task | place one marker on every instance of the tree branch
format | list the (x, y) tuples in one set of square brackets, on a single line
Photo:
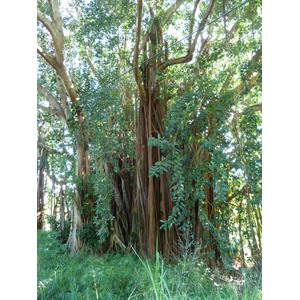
[(254, 58), (46, 109), (92, 66), (192, 22), (202, 24), (53, 179), (62, 93), (56, 31), (255, 107), (52, 101), (40, 144), (252, 82), (48, 58), (56, 14), (170, 11), (224, 20), (57, 61), (48, 149), (46, 22), (190, 52), (49, 97), (150, 9), (167, 16)]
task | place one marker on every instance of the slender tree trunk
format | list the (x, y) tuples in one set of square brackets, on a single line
[(241, 236), (259, 227), (62, 213), (52, 196), (40, 188)]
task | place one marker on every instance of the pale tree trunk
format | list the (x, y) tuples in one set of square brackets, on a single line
[(75, 242), (55, 27), (82, 171)]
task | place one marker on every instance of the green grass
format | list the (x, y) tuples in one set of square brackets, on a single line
[(116, 276)]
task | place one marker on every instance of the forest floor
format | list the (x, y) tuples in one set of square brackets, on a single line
[(117, 276)]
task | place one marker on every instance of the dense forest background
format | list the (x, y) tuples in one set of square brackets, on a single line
[(166, 157)]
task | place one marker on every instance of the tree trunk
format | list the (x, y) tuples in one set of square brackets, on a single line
[(209, 199), (40, 188), (241, 236), (81, 198), (62, 213), (210, 211), (253, 245), (152, 201), (259, 226)]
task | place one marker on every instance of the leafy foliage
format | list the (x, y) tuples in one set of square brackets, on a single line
[(210, 146)]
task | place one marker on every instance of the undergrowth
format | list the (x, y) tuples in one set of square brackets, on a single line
[(117, 276)]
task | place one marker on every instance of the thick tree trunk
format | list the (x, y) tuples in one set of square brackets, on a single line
[(151, 198), (152, 201)]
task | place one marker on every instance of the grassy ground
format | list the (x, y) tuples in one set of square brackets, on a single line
[(117, 276)]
